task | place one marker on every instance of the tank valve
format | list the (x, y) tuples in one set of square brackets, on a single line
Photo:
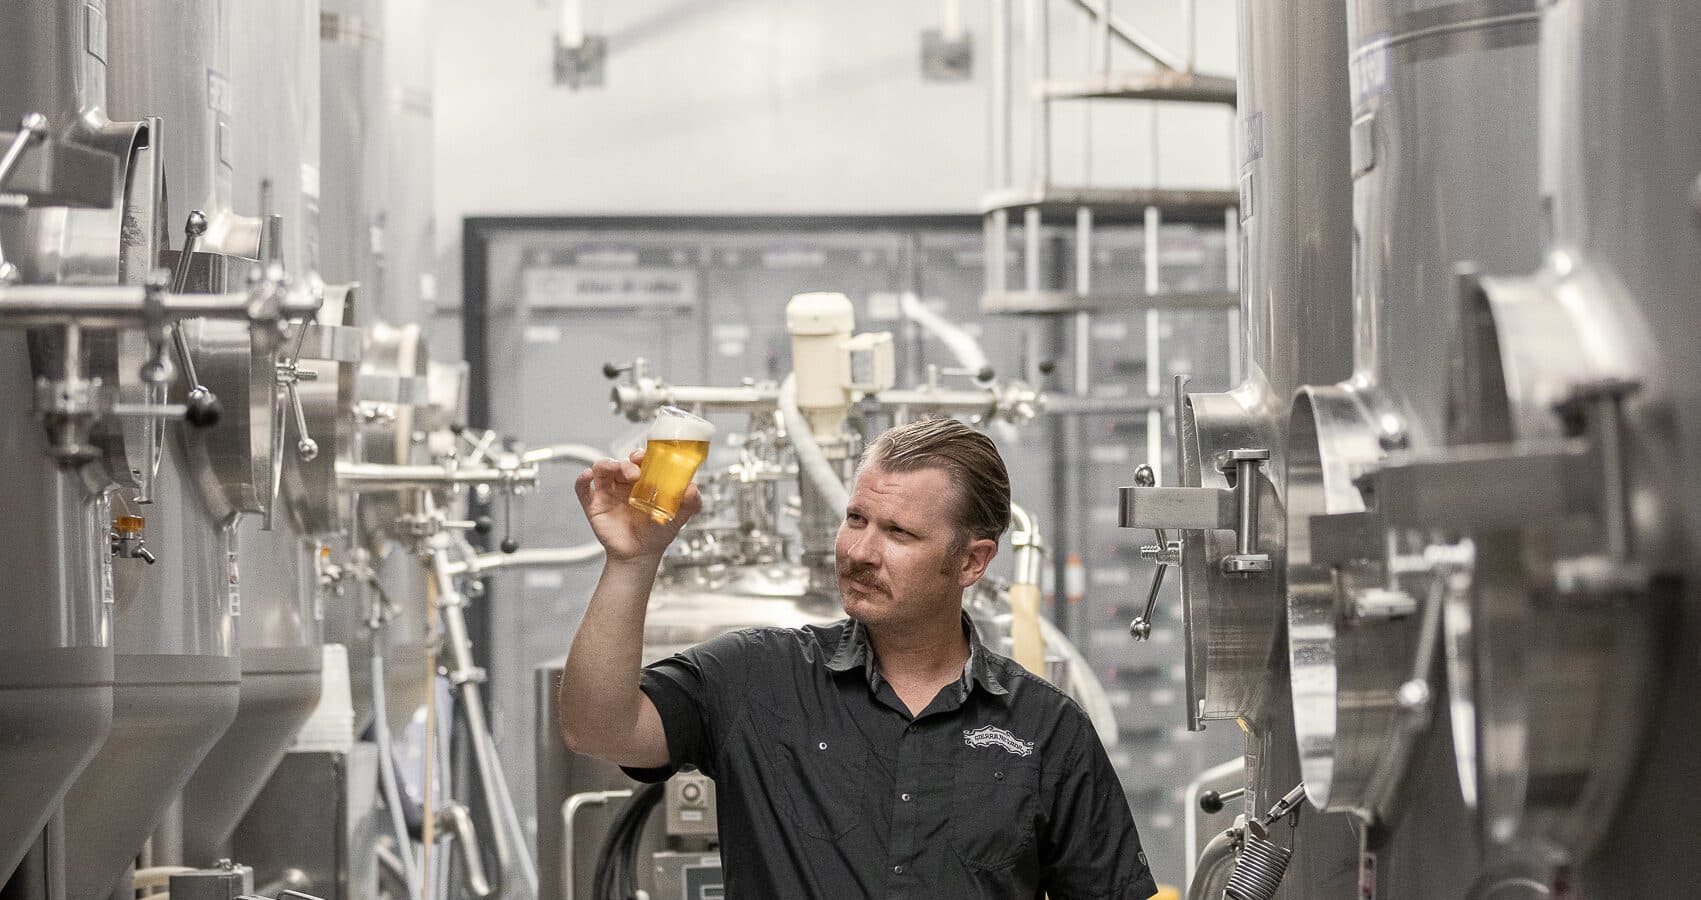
[(127, 541)]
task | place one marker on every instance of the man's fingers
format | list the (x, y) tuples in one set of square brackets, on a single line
[(630, 471), (583, 486), (692, 503)]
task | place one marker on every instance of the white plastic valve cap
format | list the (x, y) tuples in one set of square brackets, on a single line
[(823, 312)]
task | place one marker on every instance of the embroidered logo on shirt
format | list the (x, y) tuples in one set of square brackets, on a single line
[(993, 736)]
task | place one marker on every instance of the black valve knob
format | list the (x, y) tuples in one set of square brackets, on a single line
[(457, 428), (985, 374), (202, 408), (1211, 802), (610, 371), (1046, 367), (509, 545), (484, 525)]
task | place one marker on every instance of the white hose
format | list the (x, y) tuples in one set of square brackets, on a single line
[(809, 456), (387, 770), (963, 346)]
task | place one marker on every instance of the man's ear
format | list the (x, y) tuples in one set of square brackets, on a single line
[(976, 556)]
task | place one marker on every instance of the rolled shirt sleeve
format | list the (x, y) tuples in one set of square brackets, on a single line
[(1090, 849), (698, 693)]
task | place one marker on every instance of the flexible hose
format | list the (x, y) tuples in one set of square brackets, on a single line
[(810, 459), (387, 770), (511, 819)]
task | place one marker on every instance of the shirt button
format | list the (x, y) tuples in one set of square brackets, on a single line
[(904, 797), (897, 870)]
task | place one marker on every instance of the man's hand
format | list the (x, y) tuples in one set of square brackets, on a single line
[(626, 533)]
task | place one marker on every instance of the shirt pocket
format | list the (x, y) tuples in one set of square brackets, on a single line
[(819, 779), (993, 808)]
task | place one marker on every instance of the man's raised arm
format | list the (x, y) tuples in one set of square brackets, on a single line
[(602, 711)]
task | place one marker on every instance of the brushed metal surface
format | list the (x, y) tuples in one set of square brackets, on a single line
[(168, 710), (1423, 201)]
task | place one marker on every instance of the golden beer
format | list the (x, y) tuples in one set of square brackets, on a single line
[(678, 444)]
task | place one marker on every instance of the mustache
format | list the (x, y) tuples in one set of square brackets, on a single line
[(862, 575)]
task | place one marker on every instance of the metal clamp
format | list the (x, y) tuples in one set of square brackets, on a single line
[(1236, 509), (1244, 466)]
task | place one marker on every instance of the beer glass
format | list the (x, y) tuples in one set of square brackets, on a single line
[(678, 444)]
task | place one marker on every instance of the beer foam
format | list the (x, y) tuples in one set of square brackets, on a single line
[(680, 426)]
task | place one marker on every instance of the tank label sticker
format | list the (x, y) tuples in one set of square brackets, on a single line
[(1251, 137), (218, 93), (993, 736), (233, 581), (1368, 70), (94, 32), (107, 597)]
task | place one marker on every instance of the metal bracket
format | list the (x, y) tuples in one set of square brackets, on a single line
[(947, 59), (582, 65)]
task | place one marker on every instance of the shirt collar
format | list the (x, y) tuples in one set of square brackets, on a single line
[(982, 667)]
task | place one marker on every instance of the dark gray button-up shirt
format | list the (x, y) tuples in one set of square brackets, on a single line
[(828, 788)]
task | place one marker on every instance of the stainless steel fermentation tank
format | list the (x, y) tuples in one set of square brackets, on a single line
[(1227, 516), (1371, 733), (396, 361), (1571, 638), (274, 105), (56, 662), (177, 672), (56, 650)]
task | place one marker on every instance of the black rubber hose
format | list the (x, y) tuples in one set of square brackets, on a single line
[(617, 859)]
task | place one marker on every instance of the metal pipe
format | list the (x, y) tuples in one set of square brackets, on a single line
[(365, 478), (951, 21), (570, 812), (1131, 36), (526, 559), (457, 821), (1215, 861), (465, 676), (1036, 37), (111, 306), (583, 453)]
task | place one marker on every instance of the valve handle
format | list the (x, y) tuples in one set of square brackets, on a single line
[(1211, 802)]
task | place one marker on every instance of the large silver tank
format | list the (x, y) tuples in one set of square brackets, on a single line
[(1627, 189), (55, 649), (176, 680), (1424, 199), (1296, 290), (1577, 692), (352, 158), (275, 106), (176, 670), (409, 252)]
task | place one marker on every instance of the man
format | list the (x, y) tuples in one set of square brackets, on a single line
[(888, 755)]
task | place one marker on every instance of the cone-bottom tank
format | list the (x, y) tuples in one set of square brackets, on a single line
[(280, 687), (176, 682), (55, 656)]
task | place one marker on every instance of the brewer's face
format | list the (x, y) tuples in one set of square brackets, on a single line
[(895, 559)]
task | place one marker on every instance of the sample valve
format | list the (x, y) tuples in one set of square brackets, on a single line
[(126, 539)]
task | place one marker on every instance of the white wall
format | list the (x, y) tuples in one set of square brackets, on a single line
[(724, 106)]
